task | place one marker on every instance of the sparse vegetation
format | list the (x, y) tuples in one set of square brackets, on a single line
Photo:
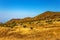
[(24, 26), (30, 22), (58, 20), (31, 27), (37, 22), (42, 27), (49, 21)]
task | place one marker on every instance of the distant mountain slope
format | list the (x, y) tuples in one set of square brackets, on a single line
[(19, 20), (44, 16)]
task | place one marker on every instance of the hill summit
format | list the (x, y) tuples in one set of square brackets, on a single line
[(48, 15)]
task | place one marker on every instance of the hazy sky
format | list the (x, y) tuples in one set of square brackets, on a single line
[(26, 8)]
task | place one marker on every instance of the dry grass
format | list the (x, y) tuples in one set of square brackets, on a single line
[(37, 32), (19, 33)]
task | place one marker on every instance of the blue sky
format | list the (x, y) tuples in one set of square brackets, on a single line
[(26, 8)]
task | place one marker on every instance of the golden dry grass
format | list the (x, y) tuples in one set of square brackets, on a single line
[(45, 26), (20, 33)]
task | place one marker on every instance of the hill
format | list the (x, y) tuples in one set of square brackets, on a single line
[(43, 16), (48, 15), (45, 26)]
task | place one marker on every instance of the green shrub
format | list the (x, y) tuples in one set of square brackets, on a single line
[(24, 26), (31, 27), (49, 21), (10, 25), (37, 22), (29, 22), (58, 20)]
